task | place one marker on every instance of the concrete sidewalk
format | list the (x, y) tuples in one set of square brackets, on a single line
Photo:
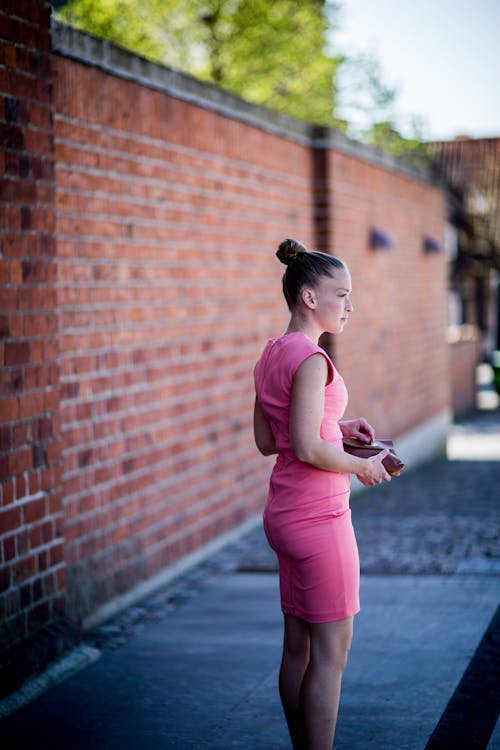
[(195, 665)]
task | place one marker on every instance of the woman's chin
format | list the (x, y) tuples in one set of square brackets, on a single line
[(339, 327)]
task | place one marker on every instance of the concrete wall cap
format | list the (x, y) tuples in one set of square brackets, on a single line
[(100, 53)]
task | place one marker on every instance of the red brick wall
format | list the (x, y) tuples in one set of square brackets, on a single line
[(31, 545), (167, 214), (392, 353), (145, 305)]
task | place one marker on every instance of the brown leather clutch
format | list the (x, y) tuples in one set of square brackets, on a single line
[(392, 463)]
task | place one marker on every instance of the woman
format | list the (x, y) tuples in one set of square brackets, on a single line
[(300, 399)]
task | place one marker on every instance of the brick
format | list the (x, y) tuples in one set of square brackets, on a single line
[(21, 460), (22, 487), (8, 492), (36, 324), (9, 548), (23, 432), (9, 409), (48, 532), (5, 26), (31, 405), (35, 540), (4, 467), (11, 381), (4, 272), (56, 555), (56, 492), (14, 246), (17, 353), (36, 480), (42, 560), (46, 479), (34, 510), (40, 117), (11, 136), (24, 569), (51, 400), (16, 326), (35, 12), (6, 438), (10, 55), (41, 428), (15, 272)]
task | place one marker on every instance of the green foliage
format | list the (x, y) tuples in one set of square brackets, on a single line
[(270, 52), (125, 22), (413, 150)]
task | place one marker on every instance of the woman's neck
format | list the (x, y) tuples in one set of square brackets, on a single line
[(307, 327)]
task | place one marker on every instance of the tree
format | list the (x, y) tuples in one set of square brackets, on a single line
[(270, 52), (277, 53), (414, 151)]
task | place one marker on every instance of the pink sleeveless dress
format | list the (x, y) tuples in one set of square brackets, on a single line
[(307, 519)]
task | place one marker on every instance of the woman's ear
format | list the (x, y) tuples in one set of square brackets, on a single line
[(308, 298)]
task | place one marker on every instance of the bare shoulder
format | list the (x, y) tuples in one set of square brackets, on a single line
[(312, 371)]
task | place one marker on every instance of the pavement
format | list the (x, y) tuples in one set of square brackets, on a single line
[(195, 665)]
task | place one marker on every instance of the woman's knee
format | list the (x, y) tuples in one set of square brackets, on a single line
[(340, 657), (331, 642)]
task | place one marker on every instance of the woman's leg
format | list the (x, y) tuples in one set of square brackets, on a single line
[(320, 692), (293, 666)]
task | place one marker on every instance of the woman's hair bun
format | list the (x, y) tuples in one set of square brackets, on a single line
[(288, 250)]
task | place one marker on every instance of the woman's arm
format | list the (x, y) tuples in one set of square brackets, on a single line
[(306, 415), (264, 437)]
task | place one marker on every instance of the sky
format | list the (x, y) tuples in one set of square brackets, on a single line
[(442, 56)]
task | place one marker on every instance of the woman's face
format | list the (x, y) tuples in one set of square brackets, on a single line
[(333, 301)]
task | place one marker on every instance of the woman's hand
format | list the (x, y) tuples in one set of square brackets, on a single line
[(373, 471), (358, 428)]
